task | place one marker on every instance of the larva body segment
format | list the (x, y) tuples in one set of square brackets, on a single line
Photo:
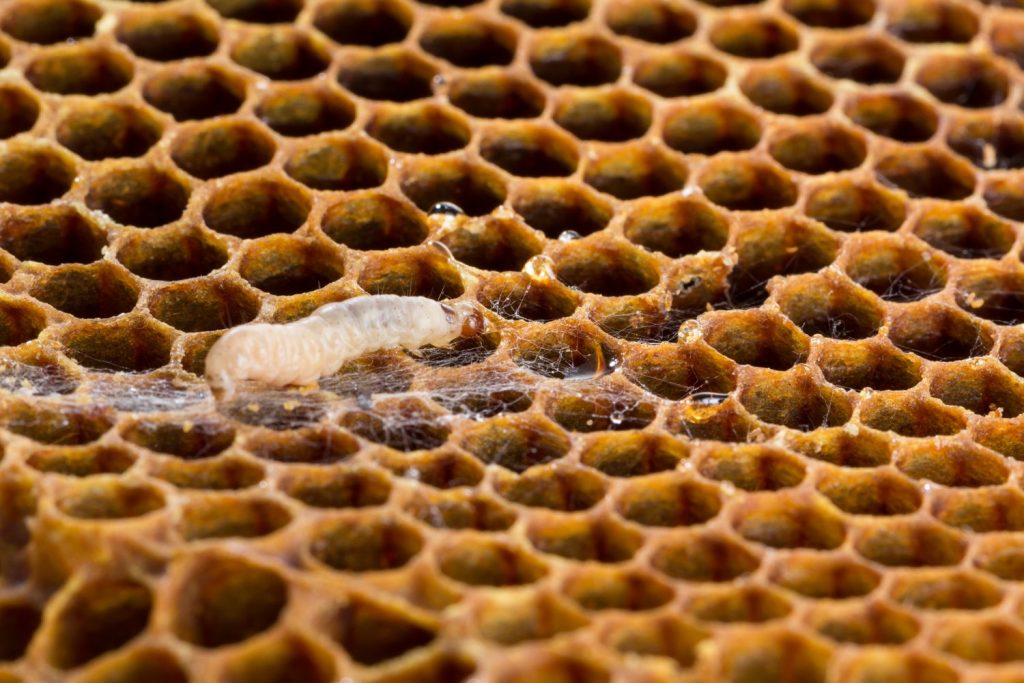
[(303, 351)]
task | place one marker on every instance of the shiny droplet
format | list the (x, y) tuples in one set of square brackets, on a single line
[(446, 209)]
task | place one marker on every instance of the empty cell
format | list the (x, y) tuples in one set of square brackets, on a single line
[(97, 616)]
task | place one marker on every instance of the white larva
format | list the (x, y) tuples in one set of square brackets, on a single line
[(303, 351)]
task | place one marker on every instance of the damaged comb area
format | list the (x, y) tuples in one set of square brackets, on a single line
[(741, 396)]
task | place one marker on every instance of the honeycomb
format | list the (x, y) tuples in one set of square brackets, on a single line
[(749, 407)]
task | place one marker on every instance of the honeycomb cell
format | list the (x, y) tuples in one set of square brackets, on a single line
[(745, 604), (605, 268), (951, 464), (1001, 556), (138, 194), (864, 59), (755, 338), (716, 416), (372, 632), (284, 265), (894, 115), (419, 128), (258, 11), (50, 21), (794, 399), (174, 253), (988, 640), (670, 500), (673, 637), (711, 126), (830, 14), (226, 515), (882, 665), (519, 619), (932, 21), (516, 443), (635, 171), (989, 144), (824, 576), (224, 599), (982, 389), (843, 446), (941, 589), (868, 365), (1001, 435), (675, 371), (939, 332), (1003, 196), (473, 187), (677, 226), (774, 654), (979, 511), (256, 207), (910, 415), (556, 667), (101, 290), (964, 231), (282, 54), (927, 173), (493, 244), (554, 206), (529, 150), (195, 91), (81, 69), (864, 624), (574, 57), (991, 294), (633, 454), (81, 461), (337, 487), (102, 131), (280, 660), (167, 35), (34, 173), (387, 74), (602, 588), (970, 81), (458, 510), (404, 425), (358, 22), (744, 183), (419, 271), (99, 615), (894, 269), (753, 35), (365, 543), (19, 110), (52, 235), (204, 306), (217, 149), (910, 543), (816, 147), (338, 164), (489, 562), (443, 469), (312, 445), (217, 474), (544, 13), (127, 343), (752, 467), (679, 73), (579, 538), (492, 93), (606, 115), (468, 41), (653, 21), (107, 498), (1007, 40), (830, 306), (373, 221), (191, 439), (855, 206), (784, 89), (48, 424), (781, 520), (564, 488), (298, 110)]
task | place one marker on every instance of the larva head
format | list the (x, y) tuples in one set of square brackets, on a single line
[(465, 318)]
